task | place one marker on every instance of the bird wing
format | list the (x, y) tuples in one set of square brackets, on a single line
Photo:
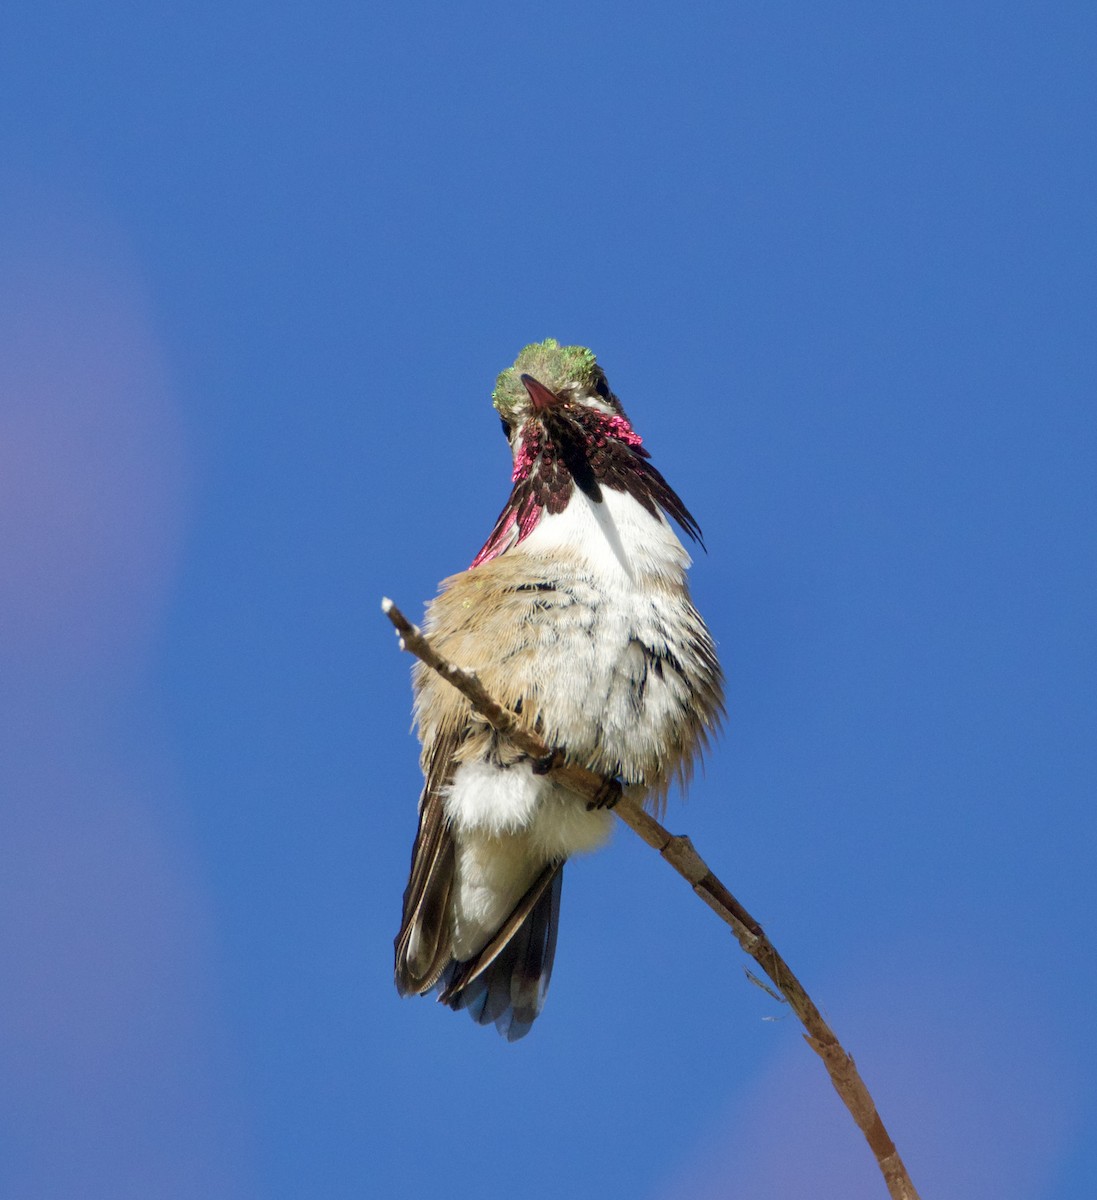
[(423, 944)]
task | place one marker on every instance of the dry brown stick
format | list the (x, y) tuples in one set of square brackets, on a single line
[(679, 852)]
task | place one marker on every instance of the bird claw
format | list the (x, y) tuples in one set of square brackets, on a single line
[(609, 792), (542, 766)]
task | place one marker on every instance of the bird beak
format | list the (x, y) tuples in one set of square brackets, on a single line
[(540, 397)]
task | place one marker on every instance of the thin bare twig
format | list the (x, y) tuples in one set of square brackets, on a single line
[(680, 854)]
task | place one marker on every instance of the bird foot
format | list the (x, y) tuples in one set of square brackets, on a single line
[(542, 766), (609, 792)]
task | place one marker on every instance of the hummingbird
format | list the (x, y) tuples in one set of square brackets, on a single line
[(575, 614)]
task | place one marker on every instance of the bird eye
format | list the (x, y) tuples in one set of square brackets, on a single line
[(506, 427), (602, 388)]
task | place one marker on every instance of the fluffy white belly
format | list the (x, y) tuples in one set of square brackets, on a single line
[(495, 801), (508, 823)]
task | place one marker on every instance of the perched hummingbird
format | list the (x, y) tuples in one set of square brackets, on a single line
[(575, 614)]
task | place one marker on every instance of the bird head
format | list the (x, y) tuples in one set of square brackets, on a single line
[(556, 398), (568, 431)]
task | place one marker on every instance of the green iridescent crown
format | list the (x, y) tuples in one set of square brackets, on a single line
[(549, 363)]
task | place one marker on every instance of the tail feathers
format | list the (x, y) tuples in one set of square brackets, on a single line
[(506, 983)]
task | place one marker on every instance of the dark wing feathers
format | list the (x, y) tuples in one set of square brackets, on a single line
[(423, 943)]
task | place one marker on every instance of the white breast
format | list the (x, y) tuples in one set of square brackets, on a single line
[(622, 541), (599, 697)]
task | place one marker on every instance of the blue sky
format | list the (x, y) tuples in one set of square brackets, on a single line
[(260, 268)]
